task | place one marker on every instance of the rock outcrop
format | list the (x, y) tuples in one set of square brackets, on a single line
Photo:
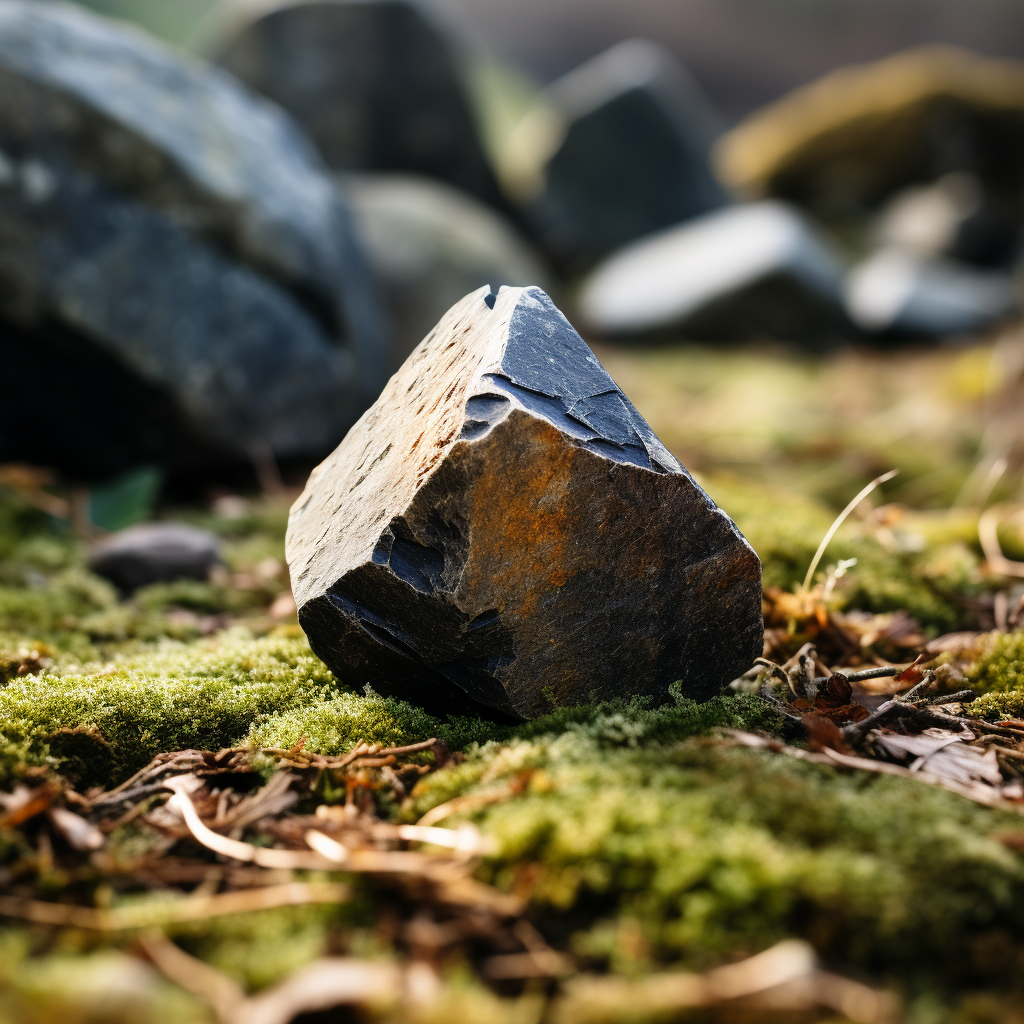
[(502, 532), (376, 86), (175, 263)]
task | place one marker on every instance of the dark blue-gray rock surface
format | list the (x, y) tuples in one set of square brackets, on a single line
[(155, 553), (175, 242), (632, 157), (375, 84), (503, 532)]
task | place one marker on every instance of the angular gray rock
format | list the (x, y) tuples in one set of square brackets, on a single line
[(375, 84), (630, 154), (154, 553), (180, 239), (429, 245), (745, 272), (502, 532), (899, 292)]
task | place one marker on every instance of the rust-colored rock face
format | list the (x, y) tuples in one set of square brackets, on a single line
[(502, 532)]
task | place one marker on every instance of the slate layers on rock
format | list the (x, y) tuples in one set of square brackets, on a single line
[(373, 82), (163, 224), (502, 532)]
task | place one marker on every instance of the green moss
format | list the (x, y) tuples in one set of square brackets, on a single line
[(688, 852), (206, 696), (56, 603), (73, 986), (1001, 668), (336, 725), (999, 705), (259, 948), (930, 567)]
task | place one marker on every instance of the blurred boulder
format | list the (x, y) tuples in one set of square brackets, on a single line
[(178, 275), (503, 532), (949, 217), (373, 82), (899, 292), (745, 272), (429, 245), (843, 144), (155, 553), (620, 148)]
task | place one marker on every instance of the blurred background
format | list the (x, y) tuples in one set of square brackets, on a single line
[(744, 53), (790, 229)]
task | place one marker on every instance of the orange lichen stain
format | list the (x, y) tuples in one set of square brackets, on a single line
[(522, 522)]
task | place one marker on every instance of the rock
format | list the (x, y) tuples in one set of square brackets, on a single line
[(623, 144), (170, 243), (502, 532), (429, 245), (375, 85), (155, 553), (744, 272), (896, 291), (845, 143), (949, 217)]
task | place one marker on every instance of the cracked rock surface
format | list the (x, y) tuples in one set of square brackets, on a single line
[(502, 533)]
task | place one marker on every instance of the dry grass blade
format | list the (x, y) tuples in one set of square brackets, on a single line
[(192, 908), (78, 833), (324, 985), (466, 839), (840, 519), (531, 964), (224, 996), (988, 535), (784, 977), (295, 860), (24, 803), (988, 796), (382, 862), (462, 805)]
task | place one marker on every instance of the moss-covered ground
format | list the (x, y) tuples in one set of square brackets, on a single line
[(640, 840)]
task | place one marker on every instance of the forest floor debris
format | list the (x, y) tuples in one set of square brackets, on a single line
[(857, 799)]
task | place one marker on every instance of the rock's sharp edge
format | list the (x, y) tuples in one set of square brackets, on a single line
[(523, 564)]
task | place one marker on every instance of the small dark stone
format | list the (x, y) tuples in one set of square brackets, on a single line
[(742, 273), (375, 84), (503, 532), (155, 553), (633, 155), (180, 236)]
